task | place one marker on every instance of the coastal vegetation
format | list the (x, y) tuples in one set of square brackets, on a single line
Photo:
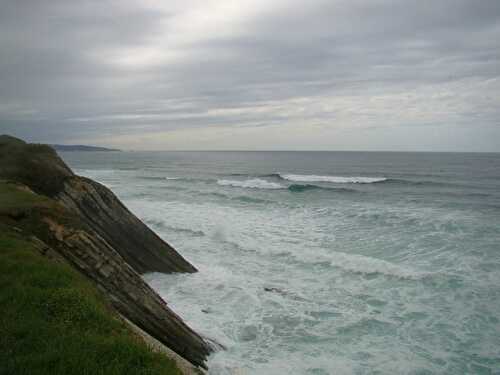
[(54, 321), (72, 298)]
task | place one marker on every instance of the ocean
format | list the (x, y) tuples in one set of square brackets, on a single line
[(325, 262)]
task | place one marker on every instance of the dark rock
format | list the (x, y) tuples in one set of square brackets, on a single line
[(132, 239), (275, 290)]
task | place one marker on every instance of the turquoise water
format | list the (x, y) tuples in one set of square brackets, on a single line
[(326, 262)]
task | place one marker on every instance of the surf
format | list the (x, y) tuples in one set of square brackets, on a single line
[(332, 179)]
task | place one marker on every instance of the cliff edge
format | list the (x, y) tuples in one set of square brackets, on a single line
[(87, 226)]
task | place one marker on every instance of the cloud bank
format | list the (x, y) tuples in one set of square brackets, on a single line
[(322, 74)]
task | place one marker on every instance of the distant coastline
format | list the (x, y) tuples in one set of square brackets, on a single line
[(82, 148)]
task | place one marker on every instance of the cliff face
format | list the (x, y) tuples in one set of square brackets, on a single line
[(93, 231), (107, 216)]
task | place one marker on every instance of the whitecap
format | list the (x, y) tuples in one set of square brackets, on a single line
[(333, 179), (361, 264), (255, 183)]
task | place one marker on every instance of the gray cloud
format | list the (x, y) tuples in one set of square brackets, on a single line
[(215, 74)]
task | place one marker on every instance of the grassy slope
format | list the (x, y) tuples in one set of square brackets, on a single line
[(52, 319)]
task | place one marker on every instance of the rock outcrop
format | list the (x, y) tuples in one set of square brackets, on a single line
[(107, 216), (84, 222)]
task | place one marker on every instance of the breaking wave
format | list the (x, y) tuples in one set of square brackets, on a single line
[(346, 179), (162, 225), (255, 183), (368, 266), (158, 178), (333, 179)]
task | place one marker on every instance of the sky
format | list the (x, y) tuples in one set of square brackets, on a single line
[(402, 75)]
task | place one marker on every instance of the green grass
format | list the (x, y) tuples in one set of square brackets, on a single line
[(54, 321), (13, 197)]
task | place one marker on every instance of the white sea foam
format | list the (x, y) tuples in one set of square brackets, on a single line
[(370, 266), (321, 283), (255, 183), (334, 179)]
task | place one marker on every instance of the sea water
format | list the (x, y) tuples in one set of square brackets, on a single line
[(325, 262)]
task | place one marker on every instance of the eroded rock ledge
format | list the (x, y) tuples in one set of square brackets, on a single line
[(86, 224)]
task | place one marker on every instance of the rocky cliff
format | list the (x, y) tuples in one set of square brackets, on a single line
[(84, 223)]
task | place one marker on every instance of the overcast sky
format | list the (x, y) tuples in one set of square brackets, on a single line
[(253, 74)]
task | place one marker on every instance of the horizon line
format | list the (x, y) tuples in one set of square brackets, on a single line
[(114, 149)]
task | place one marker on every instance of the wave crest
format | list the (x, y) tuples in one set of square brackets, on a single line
[(369, 266), (255, 183), (333, 179)]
